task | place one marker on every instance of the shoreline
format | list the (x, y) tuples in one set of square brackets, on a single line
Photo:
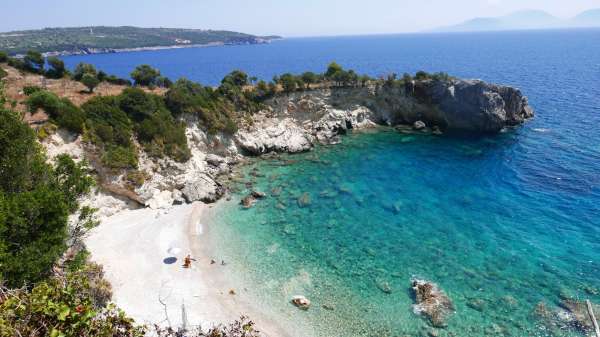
[(137, 247), (95, 51)]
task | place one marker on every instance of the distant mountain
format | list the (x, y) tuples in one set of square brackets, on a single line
[(84, 40), (589, 18), (523, 20)]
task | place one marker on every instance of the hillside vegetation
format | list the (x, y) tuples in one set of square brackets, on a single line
[(86, 39)]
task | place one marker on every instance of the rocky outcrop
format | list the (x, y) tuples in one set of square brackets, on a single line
[(203, 188), (571, 314), (431, 302), (274, 135), (472, 105)]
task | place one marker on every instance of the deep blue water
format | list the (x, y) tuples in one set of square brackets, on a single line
[(501, 223)]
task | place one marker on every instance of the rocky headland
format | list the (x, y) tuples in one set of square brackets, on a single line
[(296, 122)]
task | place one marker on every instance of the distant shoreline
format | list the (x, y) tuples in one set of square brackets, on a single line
[(94, 51)]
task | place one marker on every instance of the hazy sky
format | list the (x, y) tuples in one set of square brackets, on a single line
[(283, 17)]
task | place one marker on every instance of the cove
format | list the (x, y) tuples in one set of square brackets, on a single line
[(349, 225)]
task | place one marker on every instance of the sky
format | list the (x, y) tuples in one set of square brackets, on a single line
[(288, 18)]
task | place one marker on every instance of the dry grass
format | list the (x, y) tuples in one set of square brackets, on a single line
[(74, 91)]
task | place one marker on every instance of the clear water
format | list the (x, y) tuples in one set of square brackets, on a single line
[(500, 223)]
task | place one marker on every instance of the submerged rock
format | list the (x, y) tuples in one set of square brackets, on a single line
[(248, 201), (431, 302), (301, 302), (258, 194), (304, 200)]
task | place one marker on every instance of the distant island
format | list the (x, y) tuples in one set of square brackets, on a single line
[(524, 20), (101, 39)]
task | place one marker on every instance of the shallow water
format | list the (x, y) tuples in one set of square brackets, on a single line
[(385, 207), (500, 223)]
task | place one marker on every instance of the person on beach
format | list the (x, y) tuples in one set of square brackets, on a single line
[(187, 262)]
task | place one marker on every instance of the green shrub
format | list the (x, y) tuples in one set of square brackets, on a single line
[(120, 157), (111, 130), (61, 110), (3, 73), (3, 57), (162, 135), (137, 104), (74, 305), (31, 89)]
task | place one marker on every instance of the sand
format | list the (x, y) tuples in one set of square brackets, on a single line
[(142, 252)]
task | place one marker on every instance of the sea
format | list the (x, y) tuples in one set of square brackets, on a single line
[(507, 225)]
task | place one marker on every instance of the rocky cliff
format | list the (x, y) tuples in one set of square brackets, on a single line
[(295, 122)]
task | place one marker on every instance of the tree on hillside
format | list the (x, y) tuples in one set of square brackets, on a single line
[(333, 69), (90, 81), (145, 75), (309, 78), (34, 61), (289, 82), (237, 78), (3, 57), (58, 69), (82, 69), (36, 199)]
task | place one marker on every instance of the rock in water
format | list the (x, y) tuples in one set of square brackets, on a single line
[(258, 194), (203, 188), (473, 105), (301, 302), (431, 302), (248, 201), (419, 125)]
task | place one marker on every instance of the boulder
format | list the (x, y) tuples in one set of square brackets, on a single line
[(214, 160), (202, 188), (431, 302), (301, 302)]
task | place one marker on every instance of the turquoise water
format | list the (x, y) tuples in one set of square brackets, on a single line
[(500, 223), (385, 207)]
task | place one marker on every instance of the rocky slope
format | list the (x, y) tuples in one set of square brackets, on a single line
[(297, 121)]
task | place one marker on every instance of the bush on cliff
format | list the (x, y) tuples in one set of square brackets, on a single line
[(3, 57), (64, 113), (214, 108), (155, 126), (111, 130)]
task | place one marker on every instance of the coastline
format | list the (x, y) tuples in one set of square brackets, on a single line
[(93, 51), (136, 248)]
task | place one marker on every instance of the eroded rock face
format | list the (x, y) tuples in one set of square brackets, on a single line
[(431, 302)]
